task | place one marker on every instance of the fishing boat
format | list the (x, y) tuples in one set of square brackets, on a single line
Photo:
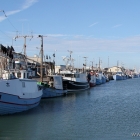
[(92, 81), (73, 79), (104, 79), (98, 79), (17, 95), (118, 76), (53, 86), (135, 76)]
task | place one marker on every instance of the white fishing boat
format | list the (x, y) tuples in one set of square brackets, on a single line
[(17, 95)]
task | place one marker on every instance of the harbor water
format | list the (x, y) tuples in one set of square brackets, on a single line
[(110, 111)]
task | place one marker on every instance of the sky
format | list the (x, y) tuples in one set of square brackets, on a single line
[(108, 30)]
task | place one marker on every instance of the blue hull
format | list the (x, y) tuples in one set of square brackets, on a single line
[(10, 104), (135, 76), (50, 92), (103, 80), (117, 77), (98, 81), (73, 86), (124, 77)]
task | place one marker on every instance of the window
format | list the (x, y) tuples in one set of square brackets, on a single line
[(57, 80), (69, 75), (19, 75), (76, 75)]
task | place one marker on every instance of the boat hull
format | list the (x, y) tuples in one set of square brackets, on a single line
[(73, 86), (103, 80), (10, 104), (52, 92), (93, 81), (117, 77), (98, 81), (92, 84), (17, 95)]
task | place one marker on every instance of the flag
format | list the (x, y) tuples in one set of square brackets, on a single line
[(84, 65), (54, 55), (49, 57), (46, 56)]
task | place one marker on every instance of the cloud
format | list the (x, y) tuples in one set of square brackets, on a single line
[(27, 4), (118, 25), (84, 44), (2, 18), (12, 12), (93, 24)]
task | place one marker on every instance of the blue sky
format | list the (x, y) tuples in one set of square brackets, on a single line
[(90, 28)]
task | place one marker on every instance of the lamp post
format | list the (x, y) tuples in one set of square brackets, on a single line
[(54, 60), (92, 64), (108, 61), (85, 63)]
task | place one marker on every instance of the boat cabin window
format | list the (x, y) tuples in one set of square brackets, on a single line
[(24, 75), (51, 78), (51, 82), (57, 80), (12, 76), (19, 74), (77, 75), (69, 75), (23, 84)]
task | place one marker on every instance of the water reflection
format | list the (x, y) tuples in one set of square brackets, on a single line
[(109, 111)]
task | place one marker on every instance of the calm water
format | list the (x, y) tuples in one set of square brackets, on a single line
[(107, 112)]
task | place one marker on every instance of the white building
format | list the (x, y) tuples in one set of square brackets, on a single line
[(115, 69), (59, 68)]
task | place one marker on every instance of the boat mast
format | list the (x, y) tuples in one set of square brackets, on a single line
[(70, 59), (41, 67), (99, 63), (117, 66)]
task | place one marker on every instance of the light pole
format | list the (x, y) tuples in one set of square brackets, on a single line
[(79, 61), (85, 62), (54, 60), (108, 61), (92, 64)]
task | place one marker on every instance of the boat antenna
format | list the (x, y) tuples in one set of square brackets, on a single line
[(70, 58)]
